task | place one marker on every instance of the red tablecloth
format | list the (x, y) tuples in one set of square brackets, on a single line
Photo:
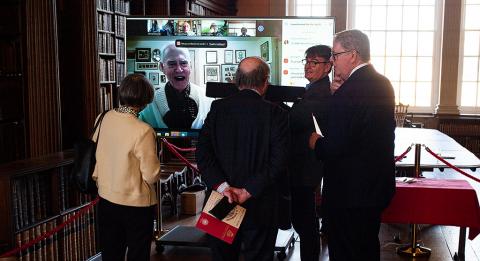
[(435, 201)]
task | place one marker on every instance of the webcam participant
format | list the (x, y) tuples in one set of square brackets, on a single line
[(180, 103)]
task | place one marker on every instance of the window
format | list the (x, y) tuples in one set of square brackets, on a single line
[(470, 66), (311, 7), (404, 45)]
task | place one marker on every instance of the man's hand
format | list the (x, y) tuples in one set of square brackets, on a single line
[(242, 195), (232, 197), (237, 195), (313, 140)]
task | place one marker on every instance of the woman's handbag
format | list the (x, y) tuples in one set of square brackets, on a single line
[(84, 161)]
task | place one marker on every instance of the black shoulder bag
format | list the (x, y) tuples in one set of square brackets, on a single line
[(84, 161)]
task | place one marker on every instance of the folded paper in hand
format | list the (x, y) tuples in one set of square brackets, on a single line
[(226, 228), (317, 128)]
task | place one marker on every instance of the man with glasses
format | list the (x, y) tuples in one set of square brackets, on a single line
[(357, 150), (306, 171), (180, 103)]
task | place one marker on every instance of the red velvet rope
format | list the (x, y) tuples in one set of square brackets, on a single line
[(178, 155), (182, 149), (403, 154), (450, 165), (53, 231)]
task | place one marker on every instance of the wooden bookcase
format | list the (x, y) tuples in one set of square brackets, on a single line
[(111, 18), (38, 196)]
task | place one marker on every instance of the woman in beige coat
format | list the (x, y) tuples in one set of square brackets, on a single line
[(126, 170)]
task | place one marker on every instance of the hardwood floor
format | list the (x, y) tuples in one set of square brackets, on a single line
[(443, 240)]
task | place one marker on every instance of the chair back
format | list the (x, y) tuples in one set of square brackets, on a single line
[(400, 114)]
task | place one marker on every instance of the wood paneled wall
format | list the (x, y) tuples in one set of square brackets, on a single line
[(89, 60), (43, 84)]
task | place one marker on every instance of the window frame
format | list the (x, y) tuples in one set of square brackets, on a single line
[(436, 55), (461, 56)]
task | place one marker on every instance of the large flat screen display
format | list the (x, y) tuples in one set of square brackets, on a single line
[(214, 47)]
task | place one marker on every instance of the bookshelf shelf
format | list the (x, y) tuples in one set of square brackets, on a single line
[(106, 32), (104, 11), (107, 54)]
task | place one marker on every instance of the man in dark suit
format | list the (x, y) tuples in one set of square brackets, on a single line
[(305, 169), (357, 150), (241, 153)]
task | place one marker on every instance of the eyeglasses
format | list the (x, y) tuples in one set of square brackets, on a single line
[(334, 55), (311, 63), (174, 64)]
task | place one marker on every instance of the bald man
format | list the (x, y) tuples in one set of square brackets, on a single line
[(241, 153)]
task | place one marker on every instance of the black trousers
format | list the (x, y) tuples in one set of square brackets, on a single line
[(353, 234), (253, 244), (305, 222), (123, 227)]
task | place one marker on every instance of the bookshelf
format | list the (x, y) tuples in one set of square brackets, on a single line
[(111, 18), (38, 196)]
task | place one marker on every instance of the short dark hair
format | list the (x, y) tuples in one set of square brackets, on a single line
[(253, 79), (323, 51), (135, 90)]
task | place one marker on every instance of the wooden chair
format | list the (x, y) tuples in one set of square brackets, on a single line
[(400, 114)]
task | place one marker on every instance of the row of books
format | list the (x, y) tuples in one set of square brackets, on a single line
[(76, 241), (107, 69), (30, 200), (105, 5), (69, 197), (122, 6), (106, 100), (120, 49), (120, 25), (120, 72), (104, 22), (106, 43)]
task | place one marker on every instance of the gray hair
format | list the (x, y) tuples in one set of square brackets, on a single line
[(171, 51), (354, 40), (253, 79)]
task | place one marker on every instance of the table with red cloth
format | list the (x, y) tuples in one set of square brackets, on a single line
[(438, 202)]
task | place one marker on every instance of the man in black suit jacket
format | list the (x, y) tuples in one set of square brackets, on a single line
[(241, 153), (306, 171), (357, 150)]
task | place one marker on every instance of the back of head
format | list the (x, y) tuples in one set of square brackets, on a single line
[(171, 52), (135, 90), (252, 73), (355, 40), (323, 51)]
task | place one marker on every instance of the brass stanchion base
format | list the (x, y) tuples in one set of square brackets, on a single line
[(417, 251)]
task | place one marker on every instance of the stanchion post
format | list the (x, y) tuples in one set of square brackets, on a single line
[(414, 249), (418, 172)]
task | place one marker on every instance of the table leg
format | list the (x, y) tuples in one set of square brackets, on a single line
[(414, 249), (460, 255)]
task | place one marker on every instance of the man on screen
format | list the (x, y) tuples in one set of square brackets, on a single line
[(180, 104)]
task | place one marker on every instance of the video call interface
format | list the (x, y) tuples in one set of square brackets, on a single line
[(216, 47)]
